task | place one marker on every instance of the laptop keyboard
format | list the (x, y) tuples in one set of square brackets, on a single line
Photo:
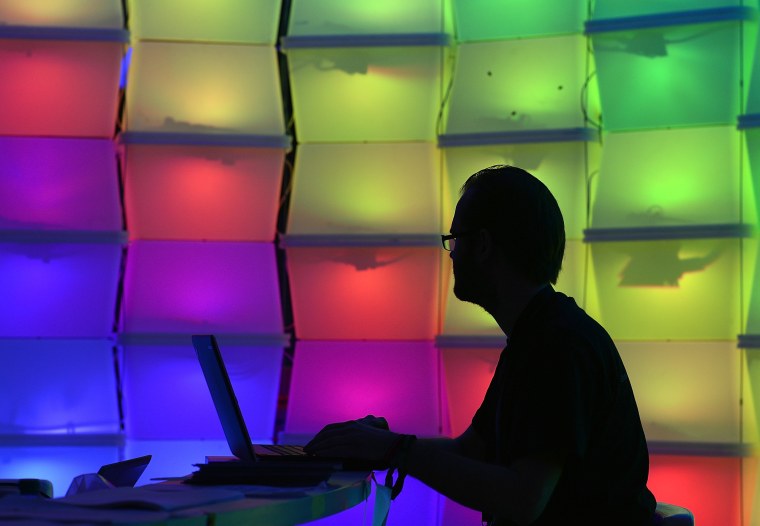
[(283, 450)]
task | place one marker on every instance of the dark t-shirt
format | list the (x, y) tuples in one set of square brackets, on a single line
[(560, 386)]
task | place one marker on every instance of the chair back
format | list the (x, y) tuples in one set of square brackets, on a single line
[(672, 515)]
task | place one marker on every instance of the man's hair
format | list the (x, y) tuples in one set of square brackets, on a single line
[(522, 217)]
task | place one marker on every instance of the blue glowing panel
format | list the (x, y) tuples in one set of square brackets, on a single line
[(185, 286), (166, 397), (173, 458), (339, 381), (58, 464), (58, 184), (58, 387), (58, 290)]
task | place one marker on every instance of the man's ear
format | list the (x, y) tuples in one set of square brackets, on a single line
[(485, 244)]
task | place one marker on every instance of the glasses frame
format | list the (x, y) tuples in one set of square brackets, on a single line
[(446, 240)]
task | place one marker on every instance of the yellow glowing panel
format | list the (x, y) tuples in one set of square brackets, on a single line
[(669, 289), (751, 286), (204, 89), (62, 13), (523, 84), (366, 189), (242, 21), (368, 17), (469, 320), (669, 177), (366, 94), (669, 380), (560, 166)]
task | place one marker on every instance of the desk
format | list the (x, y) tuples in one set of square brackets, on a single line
[(196, 505)]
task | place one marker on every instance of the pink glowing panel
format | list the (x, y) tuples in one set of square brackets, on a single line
[(355, 293), (202, 192), (181, 287), (338, 381), (58, 387), (708, 486), (58, 184), (58, 290), (166, 397), (468, 371), (59, 88)]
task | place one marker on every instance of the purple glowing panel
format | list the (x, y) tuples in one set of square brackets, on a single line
[(166, 397), (58, 387), (58, 184), (185, 286), (337, 381), (58, 290)]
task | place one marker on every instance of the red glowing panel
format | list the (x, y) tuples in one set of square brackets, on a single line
[(59, 88), (202, 192), (184, 287), (339, 381), (68, 184), (356, 293), (708, 486), (467, 375)]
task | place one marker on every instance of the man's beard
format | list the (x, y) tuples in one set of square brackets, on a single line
[(471, 285)]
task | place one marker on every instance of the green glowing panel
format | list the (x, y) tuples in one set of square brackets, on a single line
[(669, 380), (368, 17), (668, 177), (751, 286), (562, 167), (366, 94), (241, 21), (624, 8), (666, 290), (512, 85), (62, 13), (752, 45), (670, 76), (490, 20), (391, 188), (467, 319), (204, 89)]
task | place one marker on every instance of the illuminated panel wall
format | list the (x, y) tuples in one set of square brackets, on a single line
[(60, 234), (202, 160)]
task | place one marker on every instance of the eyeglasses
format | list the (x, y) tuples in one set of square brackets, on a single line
[(449, 240)]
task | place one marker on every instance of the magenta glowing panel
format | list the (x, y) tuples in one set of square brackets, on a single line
[(59, 88), (356, 293), (166, 396), (193, 286), (338, 381), (58, 290), (58, 387), (202, 192), (68, 184)]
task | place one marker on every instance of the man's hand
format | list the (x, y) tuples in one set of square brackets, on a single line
[(366, 439)]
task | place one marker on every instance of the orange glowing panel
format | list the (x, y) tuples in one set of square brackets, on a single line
[(202, 192), (365, 292), (62, 88), (339, 381)]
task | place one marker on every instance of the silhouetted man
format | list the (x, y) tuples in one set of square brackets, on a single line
[(558, 438)]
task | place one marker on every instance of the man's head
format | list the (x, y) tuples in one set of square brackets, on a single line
[(513, 212)]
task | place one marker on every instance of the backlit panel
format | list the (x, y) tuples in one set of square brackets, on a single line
[(58, 290), (58, 184), (751, 286), (166, 396), (373, 293), (366, 189), (366, 94), (485, 97), (238, 21), (710, 487), (668, 289), (62, 13), (215, 287), (60, 88), (57, 387), (648, 78), (751, 396), (487, 20), (624, 8), (204, 89), (202, 192), (669, 177), (338, 381), (669, 380)]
